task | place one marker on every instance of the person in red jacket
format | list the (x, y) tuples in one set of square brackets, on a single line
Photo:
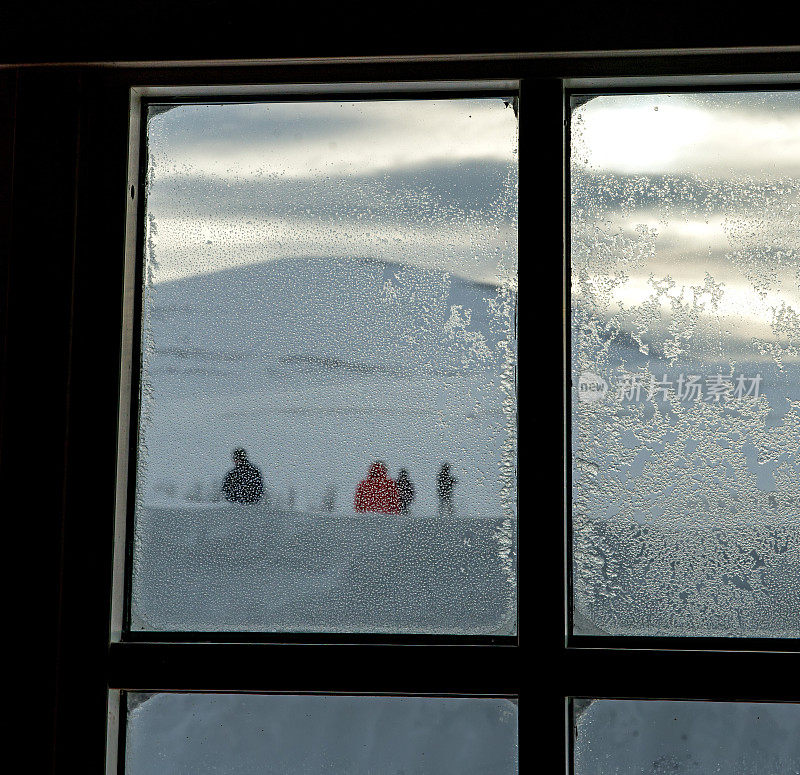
[(377, 492)]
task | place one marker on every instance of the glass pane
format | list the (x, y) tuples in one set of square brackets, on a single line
[(685, 358), (204, 733), (327, 437), (659, 737)]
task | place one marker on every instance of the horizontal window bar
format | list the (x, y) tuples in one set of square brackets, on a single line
[(713, 644), (713, 80), (367, 89), (315, 668), (430, 60), (750, 66), (317, 639), (701, 675)]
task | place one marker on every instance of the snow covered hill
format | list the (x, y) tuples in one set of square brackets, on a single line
[(318, 368)]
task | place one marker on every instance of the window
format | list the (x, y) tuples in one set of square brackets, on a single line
[(329, 295), (686, 737), (321, 289), (311, 733), (684, 356), (74, 170), (681, 276)]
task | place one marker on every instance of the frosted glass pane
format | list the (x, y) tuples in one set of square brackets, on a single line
[(205, 733), (685, 359), (329, 287), (632, 737)]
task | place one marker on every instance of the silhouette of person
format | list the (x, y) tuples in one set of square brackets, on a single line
[(405, 488), (445, 482), (377, 492), (329, 499), (243, 483)]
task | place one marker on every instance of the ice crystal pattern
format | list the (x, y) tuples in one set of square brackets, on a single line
[(685, 260), (329, 287)]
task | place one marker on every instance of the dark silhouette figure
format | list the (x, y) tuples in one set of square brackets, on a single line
[(445, 482), (405, 488), (243, 483), (329, 499), (377, 492)]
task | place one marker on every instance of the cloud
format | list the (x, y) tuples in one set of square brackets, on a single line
[(324, 139), (429, 183), (722, 135), (436, 192), (677, 190)]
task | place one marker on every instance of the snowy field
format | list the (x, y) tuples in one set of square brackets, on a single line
[(318, 368), (630, 737), (240, 568), (307, 735)]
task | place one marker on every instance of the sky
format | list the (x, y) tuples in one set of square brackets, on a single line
[(718, 135), (426, 182), (698, 185)]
